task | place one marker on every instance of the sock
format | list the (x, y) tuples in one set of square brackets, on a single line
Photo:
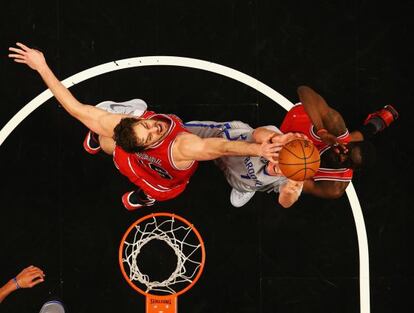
[(94, 142), (371, 128), (140, 197)]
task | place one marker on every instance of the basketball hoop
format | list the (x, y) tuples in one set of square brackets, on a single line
[(174, 235)]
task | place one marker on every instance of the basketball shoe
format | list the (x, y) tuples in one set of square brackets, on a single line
[(238, 198), (53, 306), (135, 107), (382, 118), (136, 199), (91, 143)]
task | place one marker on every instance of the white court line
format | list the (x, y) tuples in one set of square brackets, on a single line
[(227, 72)]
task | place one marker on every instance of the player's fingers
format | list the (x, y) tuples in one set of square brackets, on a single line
[(274, 160), (340, 148), (273, 145), (38, 271), (17, 50), (39, 280), (36, 281), (273, 156), (19, 61), (37, 275), (276, 144), (276, 148), (32, 267), (16, 56), (35, 270), (24, 47), (271, 153)]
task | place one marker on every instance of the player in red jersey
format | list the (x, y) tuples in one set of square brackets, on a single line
[(151, 166), (341, 151), (154, 151)]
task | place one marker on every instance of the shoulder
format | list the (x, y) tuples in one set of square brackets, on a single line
[(186, 136), (109, 121), (186, 139)]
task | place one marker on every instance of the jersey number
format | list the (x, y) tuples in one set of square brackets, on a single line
[(160, 171)]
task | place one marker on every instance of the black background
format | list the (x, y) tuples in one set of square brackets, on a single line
[(61, 208)]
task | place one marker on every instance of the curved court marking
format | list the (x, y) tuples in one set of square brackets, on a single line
[(227, 72)]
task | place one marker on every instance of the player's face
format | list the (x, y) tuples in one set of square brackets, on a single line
[(151, 131), (273, 169)]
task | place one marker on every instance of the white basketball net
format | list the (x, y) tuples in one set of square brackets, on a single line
[(175, 237)]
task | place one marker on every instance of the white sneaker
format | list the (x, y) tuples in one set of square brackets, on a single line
[(135, 107), (52, 307), (238, 198)]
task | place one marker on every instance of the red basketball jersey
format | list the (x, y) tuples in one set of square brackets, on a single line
[(297, 120), (153, 170)]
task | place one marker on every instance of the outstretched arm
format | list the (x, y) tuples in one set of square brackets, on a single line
[(263, 134), (27, 278), (189, 147), (320, 113), (328, 122), (98, 120), (325, 189)]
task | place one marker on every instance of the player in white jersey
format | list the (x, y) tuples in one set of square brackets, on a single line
[(248, 174)]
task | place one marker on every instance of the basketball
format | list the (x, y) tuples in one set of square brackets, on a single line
[(299, 159)]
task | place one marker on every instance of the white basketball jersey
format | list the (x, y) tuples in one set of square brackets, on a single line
[(242, 173)]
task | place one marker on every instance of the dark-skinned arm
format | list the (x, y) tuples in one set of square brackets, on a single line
[(320, 113)]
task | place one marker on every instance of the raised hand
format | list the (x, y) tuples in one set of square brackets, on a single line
[(32, 57), (270, 151), (285, 138), (332, 140), (29, 277)]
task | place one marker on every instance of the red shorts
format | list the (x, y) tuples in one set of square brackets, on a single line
[(296, 120)]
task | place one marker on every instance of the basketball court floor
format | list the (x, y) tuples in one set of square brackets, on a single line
[(61, 208)]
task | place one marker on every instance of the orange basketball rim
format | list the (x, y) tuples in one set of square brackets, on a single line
[(179, 235)]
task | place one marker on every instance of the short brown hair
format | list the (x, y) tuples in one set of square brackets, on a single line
[(124, 135)]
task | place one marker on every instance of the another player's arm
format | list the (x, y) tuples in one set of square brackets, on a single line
[(92, 117), (289, 193), (189, 147), (27, 278), (328, 122), (325, 188), (263, 134), (7, 289), (320, 113), (97, 120)]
